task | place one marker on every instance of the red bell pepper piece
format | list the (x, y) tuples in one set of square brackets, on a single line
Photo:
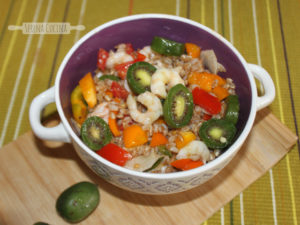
[(114, 154), (102, 58), (129, 49), (140, 57), (122, 69), (118, 91), (207, 116), (210, 103)]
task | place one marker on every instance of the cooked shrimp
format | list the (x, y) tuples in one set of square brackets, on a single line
[(101, 110), (153, 104), (164, 76), (194, 150), (118, 57), (146, 51)]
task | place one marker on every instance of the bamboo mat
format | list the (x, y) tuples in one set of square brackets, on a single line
[(266, 32)]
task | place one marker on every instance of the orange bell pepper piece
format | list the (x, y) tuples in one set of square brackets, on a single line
[(112, 123), (88, 90), (220, 92), (158, 139), (205, 80), (109, 94), (186, 164), (192, 50), (134, 135)]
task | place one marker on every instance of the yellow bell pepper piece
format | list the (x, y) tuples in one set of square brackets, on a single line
[(187, 137), (79, 109)]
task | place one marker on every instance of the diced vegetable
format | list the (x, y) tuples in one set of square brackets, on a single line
[(217, 133), (193, 165), (167, 47), (88, 90), (207, 116), (187, 137), (95, 133), (102, 58), (155, 164), (160, 121), (163, 150), (109, 94), (192, 50), (79, 112), (110, 77), (76, 95), (116, 99), (220, 92), (210, 103), (140, 57), (205, 80), (233, 108), (122, 69), (180, 163), (112, 123), (136, 55), (129, 49), (118, 91), (134, 135), (186, 164), (158, 139), (79, 109), (114, 154)]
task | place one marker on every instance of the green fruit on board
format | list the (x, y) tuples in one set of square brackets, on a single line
[(78, 201)]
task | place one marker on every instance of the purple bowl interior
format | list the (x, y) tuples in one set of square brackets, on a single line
[(140, 33)]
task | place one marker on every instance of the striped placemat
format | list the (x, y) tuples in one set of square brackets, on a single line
[(266, 32)]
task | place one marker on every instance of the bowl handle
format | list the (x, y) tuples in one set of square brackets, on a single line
[(269, 89), (57, 133)]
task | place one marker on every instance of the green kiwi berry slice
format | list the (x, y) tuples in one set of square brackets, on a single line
[(139, 76), (95, 133), (178, 106), (217, 133)]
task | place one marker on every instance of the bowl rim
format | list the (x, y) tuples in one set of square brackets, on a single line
[(221, 160)]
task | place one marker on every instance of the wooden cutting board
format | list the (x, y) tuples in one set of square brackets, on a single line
[(34, 173)]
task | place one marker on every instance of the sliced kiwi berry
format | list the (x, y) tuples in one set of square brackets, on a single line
[(217, 133), (109, 77), (233, 108), (95, 133), (139, 76), (178, 106)]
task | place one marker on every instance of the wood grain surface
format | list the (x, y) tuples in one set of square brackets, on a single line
[(34, 173)]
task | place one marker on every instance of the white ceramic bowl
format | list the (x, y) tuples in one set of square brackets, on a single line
[(139, 30)]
